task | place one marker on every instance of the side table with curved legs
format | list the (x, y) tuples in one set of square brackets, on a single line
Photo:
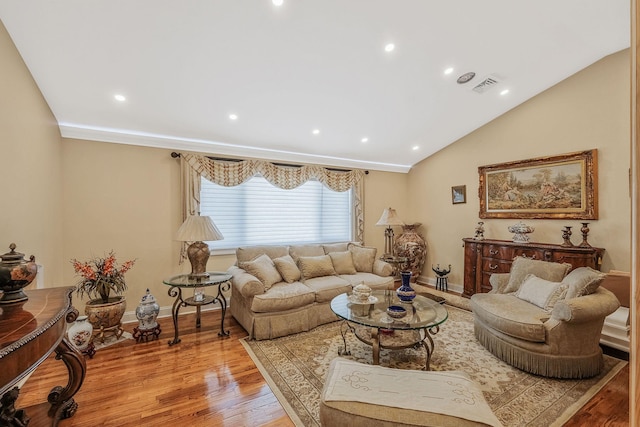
[(186, 281)]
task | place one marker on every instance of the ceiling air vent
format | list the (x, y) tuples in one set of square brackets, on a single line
[(488, 83)]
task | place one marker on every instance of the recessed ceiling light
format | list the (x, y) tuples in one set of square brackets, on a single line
[(504, 92), (315, 131), (448, 71), (415, 147), (365, 139), (233, 116), (119, 97), (277, 2), (466, 77), (389, 47)]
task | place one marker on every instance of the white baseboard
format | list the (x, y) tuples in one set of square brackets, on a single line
[(130, 316), (430, 281)]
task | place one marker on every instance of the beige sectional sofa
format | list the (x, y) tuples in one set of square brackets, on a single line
[(281, 290), (545, 319)]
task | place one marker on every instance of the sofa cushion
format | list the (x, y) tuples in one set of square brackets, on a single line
[(583, 281), (315, 266), (287, 268), (335, 247), (343, 262), (540, 292), (249, 253), (363, 257), (372, 280), (263, 269), (296, 251), (283, 296), (328, 287), (521, 267), (510, 315)]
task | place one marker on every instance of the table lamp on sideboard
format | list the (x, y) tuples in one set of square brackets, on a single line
[(198, 229)]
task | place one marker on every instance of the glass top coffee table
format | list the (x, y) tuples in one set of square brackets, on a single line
[(371, 324)]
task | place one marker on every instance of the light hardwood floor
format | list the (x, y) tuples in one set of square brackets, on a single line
[(210, 381)]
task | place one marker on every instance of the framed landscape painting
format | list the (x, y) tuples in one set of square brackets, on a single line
[(563, 186)]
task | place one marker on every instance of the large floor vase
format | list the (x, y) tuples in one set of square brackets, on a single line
[(411, 244), (106, 318)]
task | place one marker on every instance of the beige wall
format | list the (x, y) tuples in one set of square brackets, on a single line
[(127, 198), (30, 210), (588, 110)]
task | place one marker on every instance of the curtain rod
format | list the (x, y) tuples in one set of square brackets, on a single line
[(176, 155)]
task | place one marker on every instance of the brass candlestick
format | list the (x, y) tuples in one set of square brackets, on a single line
[(566, 236), (585, 233)]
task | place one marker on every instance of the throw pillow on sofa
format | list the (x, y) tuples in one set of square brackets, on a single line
[(263, 269), (583, 281), (540, 292), (521, 267), (363, 257), (287, 268), (343, 262), (315, 266)]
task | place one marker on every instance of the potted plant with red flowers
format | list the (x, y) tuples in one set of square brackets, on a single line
[(100, 277)]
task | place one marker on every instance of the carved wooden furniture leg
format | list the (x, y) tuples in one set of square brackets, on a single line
[(61, 398)]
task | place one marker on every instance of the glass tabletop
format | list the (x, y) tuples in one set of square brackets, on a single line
[(421, 313), (187, 281)]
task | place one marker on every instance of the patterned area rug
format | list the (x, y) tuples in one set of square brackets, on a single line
[(295, 368)]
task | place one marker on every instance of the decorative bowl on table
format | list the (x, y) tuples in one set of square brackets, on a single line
[(396, 312)]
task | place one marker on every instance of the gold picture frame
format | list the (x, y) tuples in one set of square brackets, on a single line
[(557, 187), (459, 194)]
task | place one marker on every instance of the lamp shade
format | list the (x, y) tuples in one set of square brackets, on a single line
[(198, 228), (389, 217)]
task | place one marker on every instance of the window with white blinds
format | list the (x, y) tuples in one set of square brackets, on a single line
[(259, 213)]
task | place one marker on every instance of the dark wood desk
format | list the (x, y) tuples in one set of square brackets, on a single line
[(29, 332)]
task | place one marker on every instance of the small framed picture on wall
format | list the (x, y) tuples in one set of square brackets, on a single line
[(459, 194)]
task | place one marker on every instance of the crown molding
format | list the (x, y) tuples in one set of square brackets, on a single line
[(220, 148)]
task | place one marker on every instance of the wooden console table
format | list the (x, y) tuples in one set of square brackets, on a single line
[(485, 257), (29, 332)]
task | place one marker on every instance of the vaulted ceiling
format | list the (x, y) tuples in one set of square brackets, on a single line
[(307, 80)]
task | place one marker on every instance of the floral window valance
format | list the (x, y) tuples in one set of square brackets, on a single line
[(232, 173)]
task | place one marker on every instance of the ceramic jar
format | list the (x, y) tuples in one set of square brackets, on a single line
[(80, 333), (15, 274), (411, 245), (362, 292), (147, 312)]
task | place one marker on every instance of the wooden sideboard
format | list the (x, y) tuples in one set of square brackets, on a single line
[(29, 332), (485, 257)]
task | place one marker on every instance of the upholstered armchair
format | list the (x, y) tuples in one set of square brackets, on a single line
[(545, 320)]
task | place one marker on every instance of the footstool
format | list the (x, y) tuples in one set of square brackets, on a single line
[(361, 395)]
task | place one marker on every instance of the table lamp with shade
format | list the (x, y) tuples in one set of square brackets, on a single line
[(389, 219), (198, 229)]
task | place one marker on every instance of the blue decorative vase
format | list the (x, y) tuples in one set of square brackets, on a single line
[(405, 292)]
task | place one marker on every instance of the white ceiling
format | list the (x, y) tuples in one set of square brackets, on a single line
[(185, 65)]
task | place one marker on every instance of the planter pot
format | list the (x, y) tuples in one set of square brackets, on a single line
[(106, 318), (411, 244)]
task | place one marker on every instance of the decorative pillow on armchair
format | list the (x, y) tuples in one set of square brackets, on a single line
[(521, 267), (343, 262), (540, 292), (264, 269), (583, 281), (363, 257), (315, 266)]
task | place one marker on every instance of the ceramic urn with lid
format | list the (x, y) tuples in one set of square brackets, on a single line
[(15, 274)]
